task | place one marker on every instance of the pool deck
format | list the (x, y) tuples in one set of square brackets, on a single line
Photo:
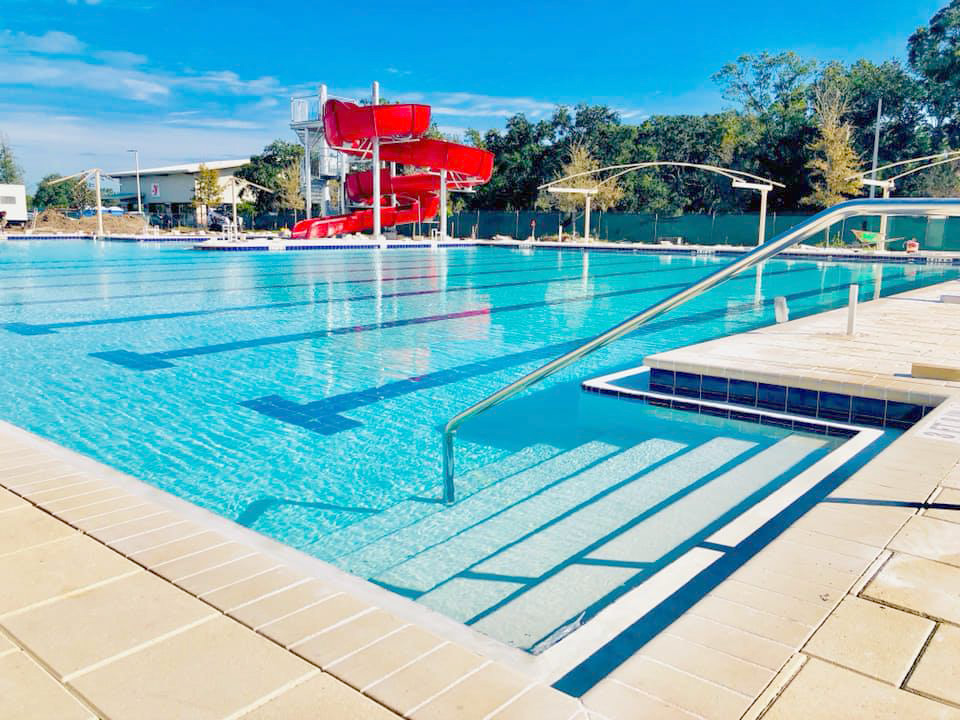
[(120, 601)]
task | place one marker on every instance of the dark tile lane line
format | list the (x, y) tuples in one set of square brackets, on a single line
[(323, 416), (273, 272), (50, 328), (204, 291), (159, 360)]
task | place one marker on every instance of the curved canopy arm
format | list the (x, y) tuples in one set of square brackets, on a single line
[(630, 167)]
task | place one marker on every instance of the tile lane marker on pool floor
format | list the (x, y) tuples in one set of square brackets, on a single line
[(207, 291), (50, 328), (324, 416), (158, 360)]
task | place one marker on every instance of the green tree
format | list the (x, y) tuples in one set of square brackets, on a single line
[(289, 196), (933, 52), (48, 196), (206, 191), (267, 169), (834, 159), (10, 171), (580, 161), (81, 194), (771, 91)]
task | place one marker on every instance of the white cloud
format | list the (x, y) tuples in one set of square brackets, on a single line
[(78, 74), (191, 120), (121, 57), (52, 42)]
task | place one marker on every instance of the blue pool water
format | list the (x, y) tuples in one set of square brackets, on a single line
[(301, 394)]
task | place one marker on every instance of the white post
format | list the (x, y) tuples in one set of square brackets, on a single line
[(307, 182), (780, 310), (882, 242), (322, 153), (376, 168), (99, 205), (443, 206), (763, 217), (342, 165), (233, 184), (586, 220), (852, 310), (139, 199), (876, 147)]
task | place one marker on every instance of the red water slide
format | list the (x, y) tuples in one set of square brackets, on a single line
[(351, 128)]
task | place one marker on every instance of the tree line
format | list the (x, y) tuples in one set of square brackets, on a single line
[(793, 120)]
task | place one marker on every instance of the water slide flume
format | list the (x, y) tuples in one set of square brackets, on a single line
[(351, 129)]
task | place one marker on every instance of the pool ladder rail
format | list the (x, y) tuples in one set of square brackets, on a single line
[(814, 224)]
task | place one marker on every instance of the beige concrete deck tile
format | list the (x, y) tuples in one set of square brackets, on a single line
[(210, 671), (319, 698), (476, 697), (282, 604), (764, 623), (676, 688), (174, 549), (708, 663), (6, 645), (870, 638), (615, 701), (95, 511), (37, 478), (56, 568), (540, 701), (938, 671), (101, 520), (227, 574), (409, 687), (313, 619), (9, 501), (135, 527), (821, 691), (759, 598), (920, 585), (732, 641), (27, 692), (849, 522), (930, 538), (365, 667), (341, 640), (802, 563), (16, 464), (802, 589), (71, 490), (822, 541), (26, 526), (79, 501), (77, 631), (946, 506), (200, 561), (156, 538), (246, 591)]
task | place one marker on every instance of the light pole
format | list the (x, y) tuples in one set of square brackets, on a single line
[(136, 154)]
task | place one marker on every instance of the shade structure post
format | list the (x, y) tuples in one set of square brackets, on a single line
[(762, 230), (99, 205), (376, 168), (443, 206), (586, 220)]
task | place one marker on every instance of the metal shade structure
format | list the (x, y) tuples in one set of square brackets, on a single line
[(738, 179), (83, 176)]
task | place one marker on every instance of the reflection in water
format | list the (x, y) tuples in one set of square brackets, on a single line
[(877, 280)]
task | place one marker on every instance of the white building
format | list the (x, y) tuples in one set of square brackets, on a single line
[(170, 189)]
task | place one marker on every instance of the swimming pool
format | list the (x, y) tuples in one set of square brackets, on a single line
[(300, 394)]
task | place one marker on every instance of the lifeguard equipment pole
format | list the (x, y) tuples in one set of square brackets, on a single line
[(376, 165), (443, 206)]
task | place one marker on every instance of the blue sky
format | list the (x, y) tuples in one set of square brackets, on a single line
[(81, 81)]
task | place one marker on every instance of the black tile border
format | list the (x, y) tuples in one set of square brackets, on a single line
[(828, 406)]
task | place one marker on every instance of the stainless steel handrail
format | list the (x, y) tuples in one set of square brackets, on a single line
[(815, 223)]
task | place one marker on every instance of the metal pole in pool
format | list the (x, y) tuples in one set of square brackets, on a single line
[(376, 166)]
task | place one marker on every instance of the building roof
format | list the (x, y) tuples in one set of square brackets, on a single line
[(187, 168)]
